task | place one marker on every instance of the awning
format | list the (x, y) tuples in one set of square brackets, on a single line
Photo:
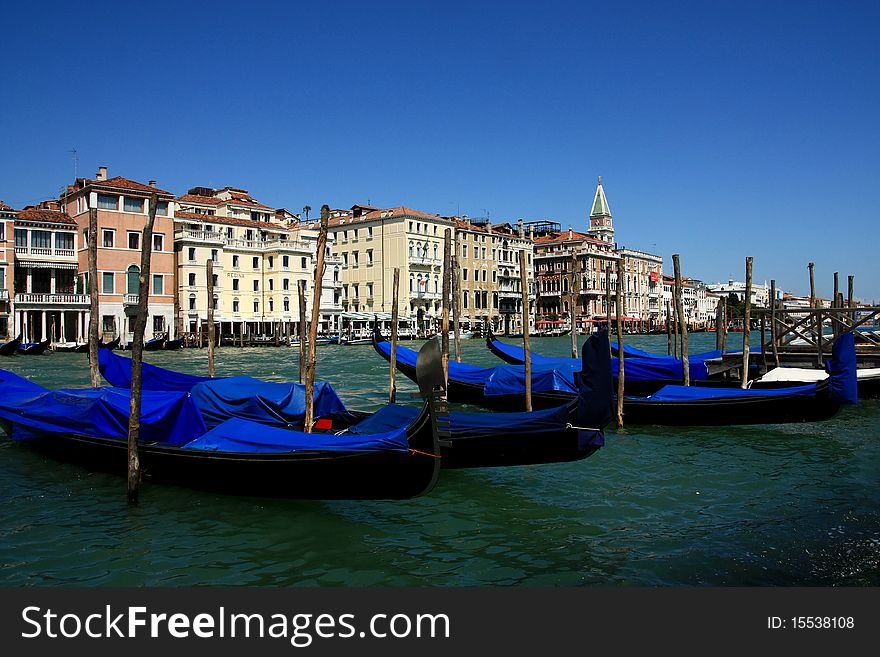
[(40, 264)]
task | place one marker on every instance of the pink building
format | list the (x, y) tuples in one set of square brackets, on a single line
[(123, 206), (7, 217)]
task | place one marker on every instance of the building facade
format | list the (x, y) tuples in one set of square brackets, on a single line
[(7, 268)]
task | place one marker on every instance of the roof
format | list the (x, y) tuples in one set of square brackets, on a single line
[(48, 216), (565, 236), (124, 183), (3, 206), (214, 219), (600, 203), (375, 215), (203, 200)]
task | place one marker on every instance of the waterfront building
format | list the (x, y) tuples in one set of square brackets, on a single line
[(698, 305), (372, 242), (259, 256), (760, 292), (49, 301), (122, 207), (643, 287), (7, 259), (491, 284)]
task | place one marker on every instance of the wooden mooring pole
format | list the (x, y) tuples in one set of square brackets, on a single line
[(773, 333), (682, 324), (621, 309), (137, 355), (718, 319), (456, 301), (527, 346), (573, 298), (447, 287), (747, 324), (724, 325), (668, 330), (94, 318), (210, 273), (311, 363), (301, 290), (395, 301)]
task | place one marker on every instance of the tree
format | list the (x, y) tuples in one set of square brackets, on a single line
[(306, 210)]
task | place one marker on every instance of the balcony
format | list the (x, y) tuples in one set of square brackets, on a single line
[(4, 295), (425, 262), (130, 299), (43, 253), (427, 295), (50, 299)]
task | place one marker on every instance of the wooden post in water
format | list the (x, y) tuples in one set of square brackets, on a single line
[(849, 299), (311, 364), (679, 316), (456, 301), (773, 333), (747, 319), (608, 298), (817, 319), (137, 354), (835, 325), (668, 330), (573, 298), (718, 320), (527, 346), (676, 334), (447, 285), (621, 309), (301, 290), (210, 267), (94, 340), (395, 302)]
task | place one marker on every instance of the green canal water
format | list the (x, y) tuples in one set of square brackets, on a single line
[(777, 505)]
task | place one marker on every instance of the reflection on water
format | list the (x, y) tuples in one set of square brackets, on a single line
[(785, 504)]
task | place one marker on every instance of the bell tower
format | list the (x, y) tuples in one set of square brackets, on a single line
[(601, 224)]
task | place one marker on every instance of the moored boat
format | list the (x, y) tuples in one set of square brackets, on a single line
[(33, 348), (10, 348)]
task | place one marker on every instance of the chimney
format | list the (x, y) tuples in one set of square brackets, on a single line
[(152, 183), (102, 173), (570, 234), (519, 226), (532, 232)]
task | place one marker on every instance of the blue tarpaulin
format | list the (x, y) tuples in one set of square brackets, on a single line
[(274, 404), (166, 417), (238, 435), (842, 369), (695, 393), (117, 370)]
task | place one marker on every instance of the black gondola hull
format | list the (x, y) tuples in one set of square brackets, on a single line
[(10, 348)]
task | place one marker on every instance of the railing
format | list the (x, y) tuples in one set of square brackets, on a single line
[(31, 297), (4, 295), (200, 235), (41, 251), (419, 260), (131, 299), (213, 236), (427, 295)]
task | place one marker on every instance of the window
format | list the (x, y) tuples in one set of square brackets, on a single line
[(305, 263), (109, 323), (159, 324), (484, 275), (162, 208), (107, 202), (369, 256), (133, 279), (464, 274), (464, 250), (285, 284), (192, 280), (133, 204), (256, 285), (215, 255), (355, 258), (464, 299), (229, 232), (436, 247), (235, 305), (107, 282), (355, 290), (158, 284), (285, 261), (369, 289), (192, 301), (41, 239), (235, 282), (249, 235), (271, 261), (192, 254), (108, 238), (271, 305), (134, 240), (355, 235), (235, 262), (256, 262), (345, 236), (345, 260), (63, 241), (370, 232), (158, 242), (256, 306), (286, 304), (271, 284), (20, 237)]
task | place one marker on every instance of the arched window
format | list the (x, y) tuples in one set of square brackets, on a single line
[(271, 305), (410, 249), (412, 283), (235, 305), (216, 303), (134, 279), (192, 301), (286, 304), (436, 247), (464, 299)]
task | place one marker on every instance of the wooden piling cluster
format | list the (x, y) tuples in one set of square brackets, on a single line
[(311, 362)]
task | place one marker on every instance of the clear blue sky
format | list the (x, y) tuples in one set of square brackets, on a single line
[(721, 129)]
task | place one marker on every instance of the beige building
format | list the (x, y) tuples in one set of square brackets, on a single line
[(371, 242), (491, 286), (259, 256)]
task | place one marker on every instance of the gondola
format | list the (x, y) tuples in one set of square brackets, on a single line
[(84, 348), (33, 348), (471, 439), (238, 456), (10, 348), (66, 347), (504, 387), (173, 345), (867, 379)]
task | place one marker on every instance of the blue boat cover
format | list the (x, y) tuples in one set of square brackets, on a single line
[(595, 392), (238, 435), (457, 371), (166, 417), (650, 368), (696, 393), (117, 370), (842, 369), (275, 404)]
